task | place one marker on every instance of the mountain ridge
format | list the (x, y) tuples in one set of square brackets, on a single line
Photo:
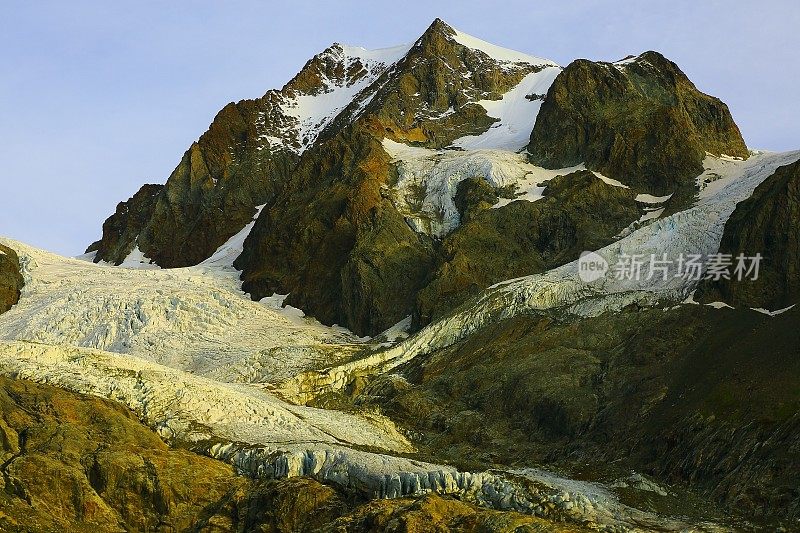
[(373, 281)]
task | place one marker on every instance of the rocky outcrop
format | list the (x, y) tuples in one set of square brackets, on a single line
[(252, 146), (335, 243), (434, 513), (641, 121), (211, 194), (332, 234), (121, 229), (71, 462), (422, 101), (767, 223), (214, 191), (11, 281), (579, 212)]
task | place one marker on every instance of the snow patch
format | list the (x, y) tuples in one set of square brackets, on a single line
[(226, 254), (516, 114), (498, 53), (137, 260), (650, 199), (772, 313), (610, 181)]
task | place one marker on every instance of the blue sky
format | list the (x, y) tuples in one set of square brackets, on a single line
[(97, 97)]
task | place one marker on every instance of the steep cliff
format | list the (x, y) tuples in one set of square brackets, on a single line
[(333, 239)]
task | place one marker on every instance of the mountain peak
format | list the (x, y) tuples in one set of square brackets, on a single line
[(440, 26), (439, 30)]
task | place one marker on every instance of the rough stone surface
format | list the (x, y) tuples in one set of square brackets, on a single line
[(11, 281), (332, 239), (78, 463), (640, 121), (659, 391), (214, 190), (121, 229)]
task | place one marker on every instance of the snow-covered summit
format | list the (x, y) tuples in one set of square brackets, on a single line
[(499, 53)]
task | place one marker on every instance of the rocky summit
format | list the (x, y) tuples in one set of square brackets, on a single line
[(442, 286)]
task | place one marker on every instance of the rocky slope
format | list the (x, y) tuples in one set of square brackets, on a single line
[(121, 230), (11, 281), (765, 224), (578, 212), (652, 390), (334, 239), (78, 463), (355, 226), (243, 159)]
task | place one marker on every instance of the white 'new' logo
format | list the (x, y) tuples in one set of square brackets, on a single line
[(591, 266)]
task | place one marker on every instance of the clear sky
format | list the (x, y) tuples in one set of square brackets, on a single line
[(99, 97)]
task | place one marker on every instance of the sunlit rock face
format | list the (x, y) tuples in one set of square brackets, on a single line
[(640, 120)]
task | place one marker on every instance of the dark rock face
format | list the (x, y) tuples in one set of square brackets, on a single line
[(690, 396), (122, 228), (767, 223), (474, 195), (335, 243), (643, 123), (579, 212), (11, 281), (210, 195), (213, 192)]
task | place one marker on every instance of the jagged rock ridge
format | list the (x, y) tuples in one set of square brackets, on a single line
[(334, 239)]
